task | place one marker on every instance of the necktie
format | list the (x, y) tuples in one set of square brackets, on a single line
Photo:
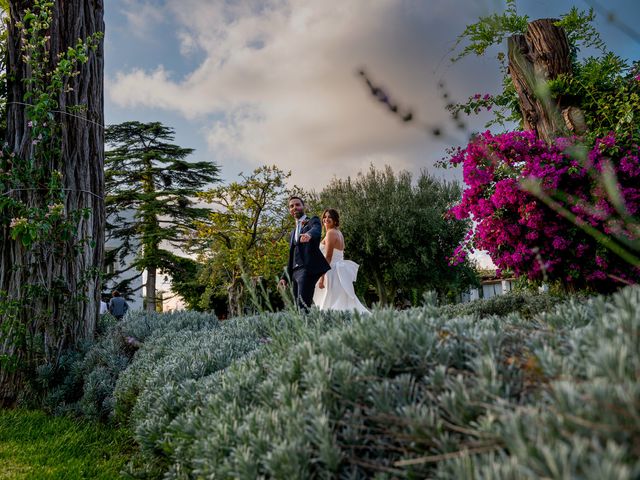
[(298, 223)]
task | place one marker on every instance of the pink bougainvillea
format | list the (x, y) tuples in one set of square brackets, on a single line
[(524, 235)]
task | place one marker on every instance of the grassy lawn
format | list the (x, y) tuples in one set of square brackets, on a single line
[(35, 445)]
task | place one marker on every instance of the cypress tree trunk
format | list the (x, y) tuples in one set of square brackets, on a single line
[(64, 308), (540, 55)]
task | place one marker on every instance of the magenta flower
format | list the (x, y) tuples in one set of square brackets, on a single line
[(520, 232)]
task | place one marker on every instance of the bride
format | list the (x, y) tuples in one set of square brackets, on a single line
[(334, 290)]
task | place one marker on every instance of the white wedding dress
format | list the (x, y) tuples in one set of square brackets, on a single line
[(338, 292)]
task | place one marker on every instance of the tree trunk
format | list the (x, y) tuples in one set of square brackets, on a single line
[(234, 298), (64, 310), (150, 244), (381, 289), (150, 298), (542, 54)]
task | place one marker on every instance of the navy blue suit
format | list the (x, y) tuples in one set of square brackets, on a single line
[(306, 263)]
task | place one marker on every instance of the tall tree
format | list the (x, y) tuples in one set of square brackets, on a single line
[(399, 232), (151, 189), (4, 33), (52, 210), (245, 235)]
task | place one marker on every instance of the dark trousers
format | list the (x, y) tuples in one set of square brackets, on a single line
[(304, 284)]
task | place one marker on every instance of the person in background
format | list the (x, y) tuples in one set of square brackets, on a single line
[(117, 305)]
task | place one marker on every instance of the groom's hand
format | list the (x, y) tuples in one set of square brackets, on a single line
[(305, 237), (282, 283)]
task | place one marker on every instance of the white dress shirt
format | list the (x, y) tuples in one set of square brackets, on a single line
[(299, 227)]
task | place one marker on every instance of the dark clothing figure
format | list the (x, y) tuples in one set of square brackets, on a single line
[(118, 307), (306, 263)]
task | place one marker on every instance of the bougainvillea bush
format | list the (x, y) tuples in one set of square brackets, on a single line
[(579, 224), (523, 234)]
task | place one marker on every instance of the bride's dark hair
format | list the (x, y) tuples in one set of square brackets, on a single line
[(333, 215)]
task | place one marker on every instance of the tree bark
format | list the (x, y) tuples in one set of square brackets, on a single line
[(234, 297), (383, 297), (66, 314), (542, 54), (150, 244), (150, 297)]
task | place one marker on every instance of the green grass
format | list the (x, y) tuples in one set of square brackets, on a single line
[(36, 445)]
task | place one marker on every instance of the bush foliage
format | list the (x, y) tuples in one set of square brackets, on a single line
[(90, 376), (416, 394), (513, 387), (526, 304), (517, 386)]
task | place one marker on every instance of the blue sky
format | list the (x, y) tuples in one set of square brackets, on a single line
[(253, 82)]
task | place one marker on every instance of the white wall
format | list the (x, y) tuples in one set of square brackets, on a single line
[(135, 302)]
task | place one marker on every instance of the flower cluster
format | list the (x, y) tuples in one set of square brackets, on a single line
[(18, 222), (524, 235)]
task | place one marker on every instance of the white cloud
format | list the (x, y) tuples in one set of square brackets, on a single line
[(142, 16), (278, 82)]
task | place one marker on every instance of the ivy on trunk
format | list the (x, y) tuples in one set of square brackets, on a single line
[(52, 209)]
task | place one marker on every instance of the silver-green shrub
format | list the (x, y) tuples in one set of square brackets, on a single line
[(527, 304), (405, 394), (91, 375), (175, 372)]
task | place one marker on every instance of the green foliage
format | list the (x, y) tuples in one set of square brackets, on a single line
[(608, 93), (587, 426), (491, 30), (151, 189), (410, 393), (580, 31), (245, 235), (34, 445), (168, 374), (590, 83), (399, 233), (185, 281)]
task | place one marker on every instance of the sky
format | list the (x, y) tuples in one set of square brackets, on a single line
[(275, 82)]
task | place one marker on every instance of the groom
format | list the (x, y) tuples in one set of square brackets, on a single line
[(306, 262)]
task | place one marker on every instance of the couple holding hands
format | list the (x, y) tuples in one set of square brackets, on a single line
[(317, 269)]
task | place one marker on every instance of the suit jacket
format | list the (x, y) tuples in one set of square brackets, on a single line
[(307, 255)]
